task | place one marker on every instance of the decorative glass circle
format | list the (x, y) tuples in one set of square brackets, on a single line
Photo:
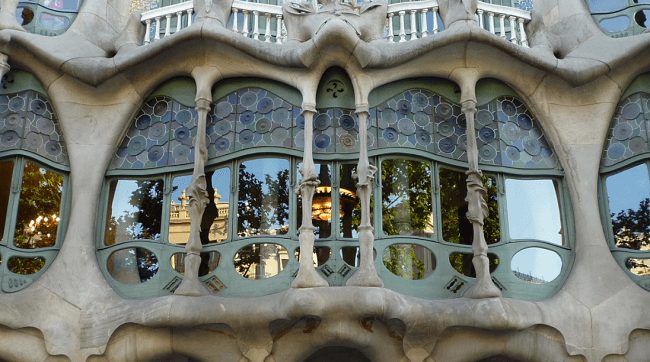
[(524, 121), (623, 131), (156, 153), (406, 126), (347, 141), (157, 131), (279, 134), (182, 134), (388, 115), (511, 131), (12, 120), (423, 137), (53, 148), (322, 121), (637, 144), (222, 127), (9, 138), (247, 118), (322, 141), (390, 134), (45, 126), (300, 121), (616, 151), (484, 117), (143, 121), (422, 119), (265, 105), (184, 116), (281, 115), (248, 99), (461, 121), (513, 153), (631, 111), (446, 145), (462, 142), (246, 136), (531, 146), (181, 152), (33, 140), (446, 129), (223, 109), (420, 100), (404, 107), (347, 122), (263, 125), (486, 134), (444, 109), (160, 108), (222, 144), (16, 103), (487, 152), (39, 107), (509, 108), (136, 145)]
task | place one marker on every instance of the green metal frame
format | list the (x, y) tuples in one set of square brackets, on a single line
[(39, 10)]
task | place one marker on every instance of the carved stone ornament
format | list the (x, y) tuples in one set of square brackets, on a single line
[(452, 11)]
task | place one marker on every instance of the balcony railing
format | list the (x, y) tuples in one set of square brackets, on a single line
[(405, 21)]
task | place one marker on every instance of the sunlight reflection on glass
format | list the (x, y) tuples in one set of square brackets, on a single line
[(536, 265), (533, 210)]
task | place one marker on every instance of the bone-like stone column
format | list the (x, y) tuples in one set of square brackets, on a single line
[(198, 194), (366, 275), (4, 65), (483, 287), (307, 276)]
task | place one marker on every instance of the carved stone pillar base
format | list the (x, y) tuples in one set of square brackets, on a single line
[(191, 286), (482, 287), (307, 276), (366, 275)]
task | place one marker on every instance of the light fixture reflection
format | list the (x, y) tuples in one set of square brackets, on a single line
[(322, 203)]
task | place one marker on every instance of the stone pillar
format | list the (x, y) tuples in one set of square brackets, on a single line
[(307, 276), (366, 275)]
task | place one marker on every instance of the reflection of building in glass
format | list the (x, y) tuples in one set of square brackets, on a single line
[(179, 221)]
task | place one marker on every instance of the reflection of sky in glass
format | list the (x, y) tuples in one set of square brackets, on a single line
[(627, 189), (618, 23), (121, 203), (260, 169), (537, 262), (220, 181), (605, 6), (533, 211)]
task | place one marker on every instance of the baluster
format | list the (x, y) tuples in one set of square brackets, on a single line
[(307, 276), (502, 25), (522, 32), (267, 31), (435, 20), (179, 17), (414, 30), (157, 35), (391, 36), (234, 20), (513, 29), (491, 19), (278, 29), (256, 25), (402, 32), (189, 16), (366, 275), (168, 25), (147, 33), (480, 18), (425, 26), (244, 29)]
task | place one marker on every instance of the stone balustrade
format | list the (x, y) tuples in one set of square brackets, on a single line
[(405, 21)]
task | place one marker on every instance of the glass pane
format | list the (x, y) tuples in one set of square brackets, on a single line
[(455, 226), (321, 255), (641, 18), (53, 22), (263, 206), (38, 208), (628, 193), (24, 16), (209, 262), (616, 24), (350, 206), (216, 212), (409, 261), (406, 198), (536, 265), (261, 261), (132, 265), (25, 266), (134, 211), (605, 6), (350, 255), (640, 267), (534, 210), (321, 209), (462, 262), (6, 171)]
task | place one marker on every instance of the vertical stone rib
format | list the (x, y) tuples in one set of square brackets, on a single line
[(307, 276), (483, 287), (366, 275), (198, 194)]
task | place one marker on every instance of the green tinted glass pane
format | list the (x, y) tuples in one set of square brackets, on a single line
[(38, 208)]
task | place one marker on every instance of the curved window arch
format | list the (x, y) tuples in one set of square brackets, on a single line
[(625, 186), (34, 190), (252, 225)]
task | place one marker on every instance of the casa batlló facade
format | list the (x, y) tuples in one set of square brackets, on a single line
[(222, 180)]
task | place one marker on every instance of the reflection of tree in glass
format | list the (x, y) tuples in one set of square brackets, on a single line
[(258, 212), (406, 198), (246, 258), (144, 223), (401, 260), (147, 263), (38, 208), (632, 227), (462, 262), (25, 266)]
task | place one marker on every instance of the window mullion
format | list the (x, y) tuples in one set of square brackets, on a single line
[(503, 208), (14, 200), (166, 209)]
